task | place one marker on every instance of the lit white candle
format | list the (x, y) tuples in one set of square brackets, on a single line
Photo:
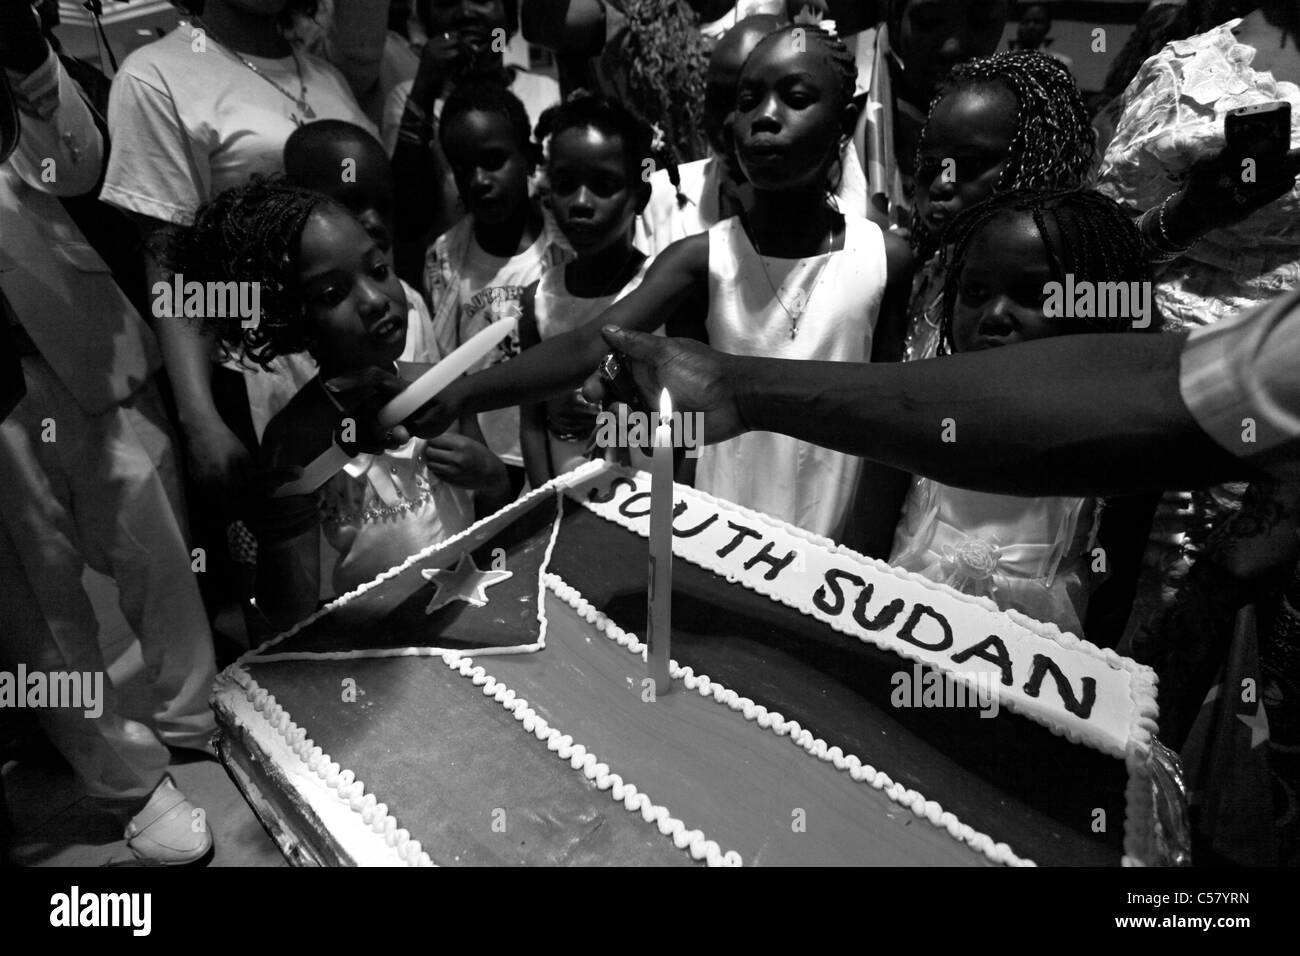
[(660, 591)]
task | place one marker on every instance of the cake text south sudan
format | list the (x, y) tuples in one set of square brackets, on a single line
[(870, 601)]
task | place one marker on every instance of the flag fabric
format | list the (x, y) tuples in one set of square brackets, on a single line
[(1230, 787)]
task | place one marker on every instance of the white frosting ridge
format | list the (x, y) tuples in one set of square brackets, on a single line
[(583, 760), (814, 746)]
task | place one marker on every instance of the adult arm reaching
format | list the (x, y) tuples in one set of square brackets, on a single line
[(1072, 415)]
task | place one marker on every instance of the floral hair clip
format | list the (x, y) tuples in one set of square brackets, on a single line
[(813, 17), (658, 142)]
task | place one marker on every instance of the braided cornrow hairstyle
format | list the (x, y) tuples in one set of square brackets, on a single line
[(1054, 140), (584, 110), (1085, 234), (666, 62), (249, 233), (842, 62)]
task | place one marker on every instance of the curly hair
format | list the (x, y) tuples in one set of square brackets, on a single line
[(666, 63), (249, 233), (583, 110), (1085, 234), (1054, 140)]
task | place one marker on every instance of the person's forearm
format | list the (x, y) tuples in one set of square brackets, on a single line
[(535, 375), (186, 353), (1078, 415), (187, 356)]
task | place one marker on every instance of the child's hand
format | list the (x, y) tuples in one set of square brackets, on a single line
[(570, 416), (363, 394), (462, 461), (219, 460)]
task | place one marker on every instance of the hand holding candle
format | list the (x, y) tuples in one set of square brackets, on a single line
[(406, 403), (660, 590)]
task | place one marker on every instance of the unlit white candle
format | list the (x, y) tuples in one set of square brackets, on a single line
[(660, 591), (325, 465)]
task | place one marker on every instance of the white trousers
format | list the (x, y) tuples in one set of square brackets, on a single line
[(103, 493)]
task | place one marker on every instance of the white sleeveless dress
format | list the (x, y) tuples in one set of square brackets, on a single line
[(750, 305), (558, 311)]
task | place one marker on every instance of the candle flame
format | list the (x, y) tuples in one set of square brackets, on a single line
[(665, 408)]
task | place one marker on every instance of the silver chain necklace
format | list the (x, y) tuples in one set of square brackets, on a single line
[(803, 299), (300, 100)]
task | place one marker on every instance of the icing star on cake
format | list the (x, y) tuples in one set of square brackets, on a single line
[(465, 582)]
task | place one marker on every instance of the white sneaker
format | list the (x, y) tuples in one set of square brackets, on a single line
[(168, 832)]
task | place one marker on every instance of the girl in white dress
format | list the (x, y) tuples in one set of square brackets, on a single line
[(1036, 555), (793, 278)]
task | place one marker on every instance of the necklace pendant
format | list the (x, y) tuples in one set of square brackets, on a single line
[(307, 111)]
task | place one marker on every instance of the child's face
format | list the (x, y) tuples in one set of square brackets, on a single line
[(471, 20), (375, 223), (490, 168), (593, 202), (964, 148), (936, 35), (789, 119), (1000, 293), (354, 304)]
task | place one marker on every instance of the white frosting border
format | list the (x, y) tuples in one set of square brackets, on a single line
[(383, 826), (1142, 726), (580, 758)]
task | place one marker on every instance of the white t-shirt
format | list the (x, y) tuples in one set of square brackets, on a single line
[(189, 120), (468, 290)]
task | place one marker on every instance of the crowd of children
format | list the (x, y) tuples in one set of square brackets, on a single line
[(591, 214)]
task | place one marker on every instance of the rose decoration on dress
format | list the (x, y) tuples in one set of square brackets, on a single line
[(969, 566)]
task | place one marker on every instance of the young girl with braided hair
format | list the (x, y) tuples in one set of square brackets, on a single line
[(327, 288), (1001, 257), (791, 278), (1010, 121)]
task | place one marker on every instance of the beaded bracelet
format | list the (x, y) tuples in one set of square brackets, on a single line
[(1157, 239)]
